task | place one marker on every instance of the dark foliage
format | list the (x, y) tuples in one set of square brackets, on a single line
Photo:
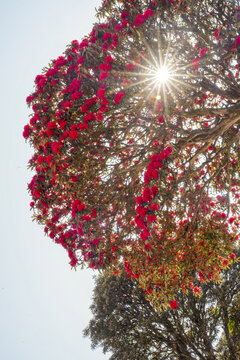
[(201, 328)]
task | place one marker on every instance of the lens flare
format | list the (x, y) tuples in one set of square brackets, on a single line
[(162, 74)]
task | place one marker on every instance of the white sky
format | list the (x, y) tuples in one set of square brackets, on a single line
[(43, 303)]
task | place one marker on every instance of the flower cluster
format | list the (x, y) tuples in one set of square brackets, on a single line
[(104, 143)]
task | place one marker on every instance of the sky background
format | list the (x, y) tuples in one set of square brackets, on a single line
[(44, 305)]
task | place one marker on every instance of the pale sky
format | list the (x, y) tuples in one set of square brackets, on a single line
[(44, 305)]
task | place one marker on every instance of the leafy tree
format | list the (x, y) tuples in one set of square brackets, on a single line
[(133, 169), (206, 327)]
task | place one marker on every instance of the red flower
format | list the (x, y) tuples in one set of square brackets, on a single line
[(94, 213), (161, 119), (104, 75), (29, 98), (74, 86), (109, 59), (203, 52), (224, 263), (26, 131), (148, 247), (118, 28), (237, 41), (101, 92), (196, 290), (139, 20), (55, 147), (149, 290), (139, 200), (151, 218), (173, 304), (76, 95), (130, 67), (124, 15), (83, 126), (195, 63), (67, 104), (83, 44), (73, 134), (41, 159), (107, 36), (147, 194), (118, 97), (87, 218), (84, 108), (80, 60), (148, 13), (217, 34)]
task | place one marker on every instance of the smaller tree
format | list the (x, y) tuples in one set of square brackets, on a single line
[(206, 327)]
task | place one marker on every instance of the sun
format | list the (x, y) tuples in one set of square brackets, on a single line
[(162, 74)]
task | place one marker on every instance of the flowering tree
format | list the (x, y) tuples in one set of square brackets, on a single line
[(127, 325), (136, 138)]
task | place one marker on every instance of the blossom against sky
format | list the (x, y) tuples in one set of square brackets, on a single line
[(44, 304)]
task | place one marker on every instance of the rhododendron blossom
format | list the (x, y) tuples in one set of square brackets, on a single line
[(130, 172)]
